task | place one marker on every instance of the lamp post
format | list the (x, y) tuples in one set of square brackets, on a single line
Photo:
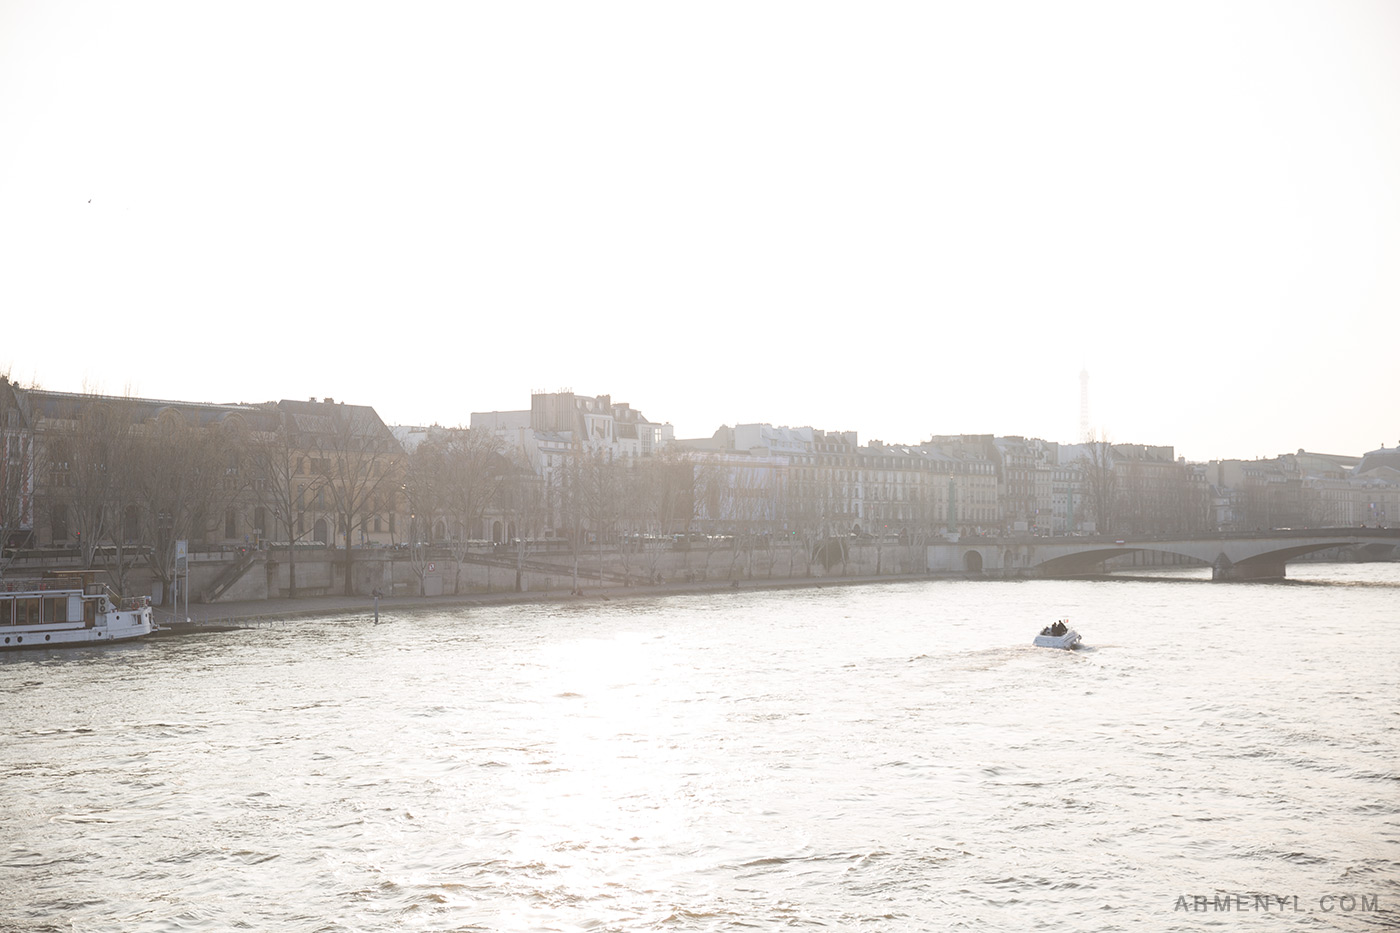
[(291, 551), (952, 507)]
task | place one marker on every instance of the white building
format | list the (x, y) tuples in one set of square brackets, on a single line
[(560, 421), (559, 425)]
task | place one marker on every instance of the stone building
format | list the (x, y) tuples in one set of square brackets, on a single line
[(17, 472), (1156, 493), (826, 484), (562, 434), (562, 421), (1307, 490), (117, 472)]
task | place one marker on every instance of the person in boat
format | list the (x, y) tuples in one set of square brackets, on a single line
[(1045, 631), (1057, 629)]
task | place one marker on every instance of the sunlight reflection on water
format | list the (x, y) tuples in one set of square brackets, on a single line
[(895, 757)]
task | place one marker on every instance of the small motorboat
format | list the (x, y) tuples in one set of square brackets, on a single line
[(1059, 635)]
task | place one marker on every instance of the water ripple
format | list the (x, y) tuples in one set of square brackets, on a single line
[(885, 758)]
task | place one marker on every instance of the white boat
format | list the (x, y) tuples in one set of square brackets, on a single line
[(1068, 639), (68, 608)]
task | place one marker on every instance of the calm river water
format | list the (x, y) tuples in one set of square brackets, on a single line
[(892, 757)]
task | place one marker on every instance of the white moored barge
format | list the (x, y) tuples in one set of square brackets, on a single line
[(68, 608)]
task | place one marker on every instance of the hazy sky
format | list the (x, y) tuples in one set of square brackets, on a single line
[(900, 219)]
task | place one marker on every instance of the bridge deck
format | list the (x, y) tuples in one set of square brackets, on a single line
[(1231, 555)]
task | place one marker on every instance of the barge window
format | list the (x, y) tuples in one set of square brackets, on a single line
[(27, 611), (56, 609)]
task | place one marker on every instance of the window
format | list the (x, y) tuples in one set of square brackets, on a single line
[(230, 524)]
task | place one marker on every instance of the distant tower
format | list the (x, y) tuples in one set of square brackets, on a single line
[(1085, 435)]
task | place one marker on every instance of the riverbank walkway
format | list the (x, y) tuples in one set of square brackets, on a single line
[(238, 614)]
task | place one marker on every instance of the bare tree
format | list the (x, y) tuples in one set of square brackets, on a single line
[(522, 499), (603, 501), (803, 516), (682, 477), (748, 507), (715, 507), (473, 472), (572, 491), (923, 525), (127, 539), (423, 474), (586, 486), (278, 460), (1151, 493), (359, 460), (634, 534), (1200, 506), (16, 511), (16, 475), (86, 457), (180, 468), (1100, 482)]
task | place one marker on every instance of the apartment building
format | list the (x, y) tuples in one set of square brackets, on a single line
[(121, 472)]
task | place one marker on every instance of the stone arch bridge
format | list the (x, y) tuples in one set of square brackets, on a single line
[(1231, 556)]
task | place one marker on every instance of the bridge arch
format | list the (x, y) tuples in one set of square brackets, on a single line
[(1264, 566), (1231, 557), (1091, 560)]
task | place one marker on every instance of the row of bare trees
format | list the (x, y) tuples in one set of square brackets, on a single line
[(1130, 496), (342, 457), (750, 511), (451, 481), (457, 481), (461, 488), (584, 499), (126, 490), (125, 486)]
